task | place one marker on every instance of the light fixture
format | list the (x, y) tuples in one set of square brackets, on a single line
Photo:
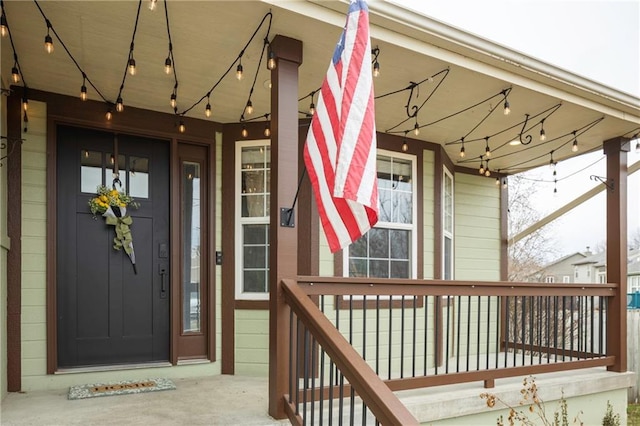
[(504, 183), (551, 163), (181, 127), (416, 129), (207, 110), (267, 130), (153, 4), (271, 62), (4, 28), (574, 147), (312, 108), (239, 71), (48, 41), (487, 150), (487, 173), (25, 103), (376, 69), (83, 92), (481, 169), (244, 132), (173, 101), (507, 108), (119, 104), (462, 153), (167, 65), (15, 74), (132, 66), (248, 109), (405, 145), (497, 180), (638, 147), (543, 135), (108, 115), (555, 186)]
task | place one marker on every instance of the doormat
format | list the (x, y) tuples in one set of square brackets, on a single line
[(119, 388)]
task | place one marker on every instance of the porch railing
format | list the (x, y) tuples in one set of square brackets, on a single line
[(350, 335)]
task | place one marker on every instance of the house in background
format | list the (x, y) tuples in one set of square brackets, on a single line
[(561, 270), (593, 269), (226, 283)]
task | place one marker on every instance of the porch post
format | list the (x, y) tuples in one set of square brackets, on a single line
[(283, 250), (616, 151)]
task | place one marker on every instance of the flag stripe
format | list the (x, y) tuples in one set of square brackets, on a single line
[(340, 151)]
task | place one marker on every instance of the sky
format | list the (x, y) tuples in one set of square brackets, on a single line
[(599, 40)]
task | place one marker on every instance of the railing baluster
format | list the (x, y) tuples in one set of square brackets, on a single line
[(571, 328), (437, 303), (321, 390), (515, 330), (523, 333), (313, 380), (297, 361), (390, 332), (564, 327), (592, 333), (330, 401), (378, 335), (291, 343), (446, 340), (341, 399), (531, 328), (488, 331), (364, 348), (426, 334), (413, 352), (499, 320), (469, 330), (548, 307), (402, 337), (458, 331), (507, 330), (305, 374)]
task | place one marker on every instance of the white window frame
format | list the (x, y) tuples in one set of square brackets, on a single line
[(412, 227), (446, 174), (566, 279), (550, 279), (240, 221)]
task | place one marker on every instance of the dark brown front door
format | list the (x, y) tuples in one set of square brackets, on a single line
[(107, 313)]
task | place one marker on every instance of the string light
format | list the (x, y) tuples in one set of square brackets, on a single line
[(132, 66), (555, 187), (108, 115), (481, 170), (248, 109), (15, 73), (416, 129), (543, 135), (167, 65), (271, 62), (487, 172), (239, 70), (267, 130), (637, 142), (153, 4), (173, 100), (119, 104), (83, 92), (497, 180), (207, 109), (504, 183), (48, 41), (405, 145), (244, 132), (487, 150), (574, 147), (551, 163), (25, 103), (4, 28), (181, 127), (462, 153), (507, 107)]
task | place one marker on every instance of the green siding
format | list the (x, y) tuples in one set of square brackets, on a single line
[(252, 342), (428, 208)]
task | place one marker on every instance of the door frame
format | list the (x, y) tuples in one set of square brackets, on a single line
[(66, 110)]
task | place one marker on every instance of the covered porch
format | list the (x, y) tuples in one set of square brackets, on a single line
[(320, 329)]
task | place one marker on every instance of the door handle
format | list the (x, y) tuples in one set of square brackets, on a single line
[(162, 270)]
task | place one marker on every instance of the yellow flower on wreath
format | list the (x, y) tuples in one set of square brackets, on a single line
[(106, 197)]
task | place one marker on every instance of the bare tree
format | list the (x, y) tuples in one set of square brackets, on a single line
[(528, 255), (634, 240)]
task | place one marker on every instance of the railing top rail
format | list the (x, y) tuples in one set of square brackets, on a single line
[(374, 392), (377, 286)]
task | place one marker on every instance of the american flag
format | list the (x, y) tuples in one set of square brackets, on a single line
[(340, 151)]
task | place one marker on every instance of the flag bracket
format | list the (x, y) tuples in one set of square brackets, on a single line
[(287, 218)]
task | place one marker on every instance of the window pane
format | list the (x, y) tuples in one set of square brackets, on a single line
[(255, 257), (253, 206), (139, 177), (255, 281), (399, 244), (253, 158), (448, 257), (379, 243), (255, 234), (379, 268), (191, 228), (403, 211), (359, 247), (90, 171), (253, 182), (358, 268), (385, 205), (399, 269)]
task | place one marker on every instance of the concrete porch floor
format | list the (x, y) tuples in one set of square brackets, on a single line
[(218, 400)]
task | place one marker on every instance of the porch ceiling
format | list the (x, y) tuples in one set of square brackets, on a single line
[(207, 37)]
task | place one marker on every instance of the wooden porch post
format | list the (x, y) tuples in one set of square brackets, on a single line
[(283, 250), (616, 151)]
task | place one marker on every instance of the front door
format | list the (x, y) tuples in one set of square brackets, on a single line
[(107, 312)]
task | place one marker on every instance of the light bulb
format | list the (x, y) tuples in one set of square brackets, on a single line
[(207, 110), (132, 66), (574, 147), (507, 108), (48, 43), (267, 130), (4, 29), (312, 108), (244, 132), (108, 115), (152, 4), (504, 183), (119, 104), (271, 63), (25, 103), (497, 181), (83, 92), (638, 147), (167, 65), (405, 146), (15, 74), (487, 172), (239, 72), (376, 69), (173, 102), (481, 170), (181, 127), (487, 151), (462, 153), (249, 108), (416, 129), (543, 136)]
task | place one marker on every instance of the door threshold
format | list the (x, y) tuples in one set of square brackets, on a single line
[(115, 367)]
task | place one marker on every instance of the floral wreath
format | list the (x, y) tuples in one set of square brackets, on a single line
[(112, 205)]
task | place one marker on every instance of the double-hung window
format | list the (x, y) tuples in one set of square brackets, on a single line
[(389, 249), (253, 175)]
